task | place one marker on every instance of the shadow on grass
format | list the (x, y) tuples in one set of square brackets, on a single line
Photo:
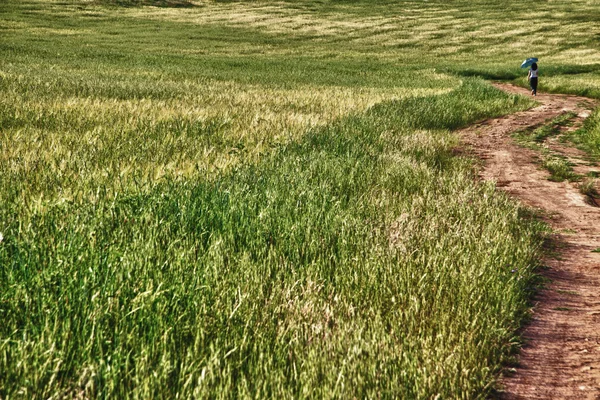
[(571, 69), (515, 73), (155, 3), (498, 75)]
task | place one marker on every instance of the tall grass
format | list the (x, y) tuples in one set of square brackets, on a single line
[(259, 199), (343, 265)]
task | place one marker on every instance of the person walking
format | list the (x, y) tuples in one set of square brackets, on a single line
[(532, 77)]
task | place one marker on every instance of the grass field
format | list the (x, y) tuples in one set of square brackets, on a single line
[(588, 137), (262, 199)]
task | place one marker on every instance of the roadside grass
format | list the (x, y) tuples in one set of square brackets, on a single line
[(554, 127), (560, 167), (589, 188), (588, 137), (580, 83), (259, 199)]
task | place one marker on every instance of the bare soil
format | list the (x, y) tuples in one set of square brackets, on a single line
[(560, 357)]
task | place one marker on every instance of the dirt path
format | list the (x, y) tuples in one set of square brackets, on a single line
[(561, 354)]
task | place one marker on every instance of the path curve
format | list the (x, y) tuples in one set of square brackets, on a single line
[(561, 354)]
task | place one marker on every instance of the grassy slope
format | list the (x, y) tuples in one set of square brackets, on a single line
[(257, 199)]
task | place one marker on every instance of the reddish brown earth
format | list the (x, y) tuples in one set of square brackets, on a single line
[(560, 358)]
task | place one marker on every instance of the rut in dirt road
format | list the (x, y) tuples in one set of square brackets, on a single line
[(561, 354)]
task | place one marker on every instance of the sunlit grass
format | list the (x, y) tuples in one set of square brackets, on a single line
[(261, 199), (349, 247), (138, 128), (588, 137)]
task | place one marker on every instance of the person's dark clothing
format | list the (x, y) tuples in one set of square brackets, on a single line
[(533, 82)]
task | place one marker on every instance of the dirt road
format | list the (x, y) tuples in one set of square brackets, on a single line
[(561, 355)]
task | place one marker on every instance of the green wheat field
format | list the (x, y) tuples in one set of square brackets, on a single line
[(264, 199)]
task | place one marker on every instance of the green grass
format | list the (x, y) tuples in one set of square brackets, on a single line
[(560, 167), (264, 281), (588, 137), (533, 137), (257, 199)]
